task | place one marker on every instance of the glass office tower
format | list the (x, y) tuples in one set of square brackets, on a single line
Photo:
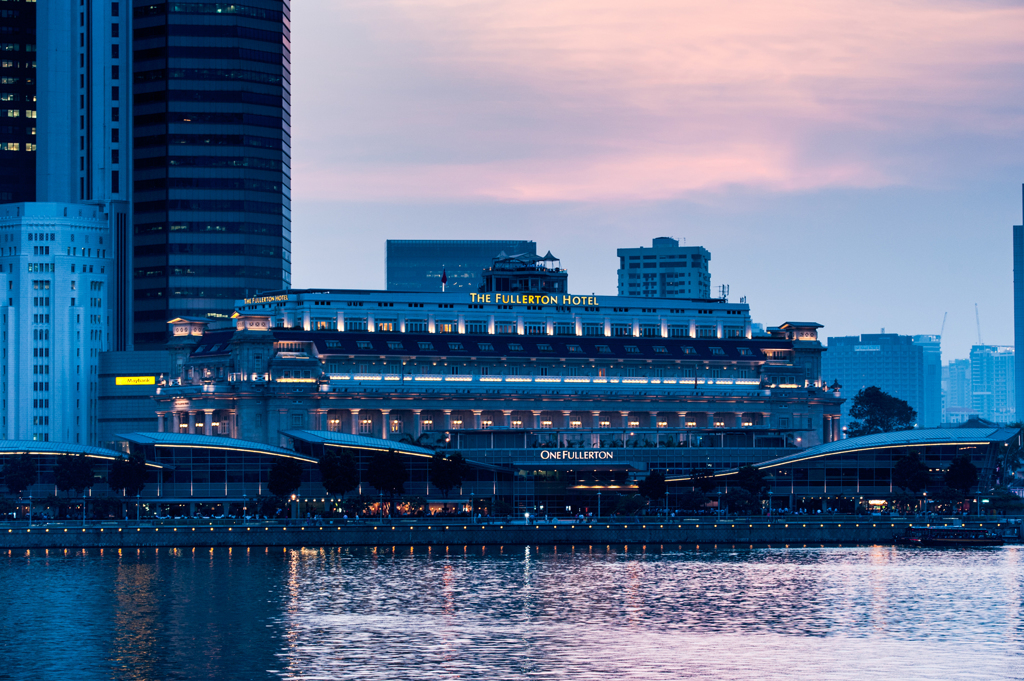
[(419, 264), (212, 158), (17, 101)]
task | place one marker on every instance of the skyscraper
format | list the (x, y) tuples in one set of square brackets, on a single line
[(17, 101), (888, 361), (666, 270), (959, 401), (930, 411), (419, 264), (212, 158), (993, 383), (1018, 312)]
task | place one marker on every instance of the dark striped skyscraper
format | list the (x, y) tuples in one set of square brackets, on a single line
[(212, 158), (17, 101)]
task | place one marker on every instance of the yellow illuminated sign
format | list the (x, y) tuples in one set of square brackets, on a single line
[(135, 380), (266, 299), (531, 299)]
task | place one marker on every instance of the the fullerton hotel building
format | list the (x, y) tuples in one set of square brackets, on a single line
[(507, 378)]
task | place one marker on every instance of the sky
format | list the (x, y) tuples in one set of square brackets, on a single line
[(858, 164)]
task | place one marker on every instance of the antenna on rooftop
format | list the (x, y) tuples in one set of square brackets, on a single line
[(943, 323), (723, 291)]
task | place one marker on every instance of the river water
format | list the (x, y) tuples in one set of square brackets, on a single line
[(512, 613)]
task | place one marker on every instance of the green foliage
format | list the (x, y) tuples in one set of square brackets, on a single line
[(910, 473), (19, 473), (338, 472), (388, 473), (447, 472), (128, 474), (693, 501), (653, 486), (285, 477), (962, 475), (877, 411), (1002, 500), (753, 481), (630, 504), (703, 479), (740, 500), (73, 473)]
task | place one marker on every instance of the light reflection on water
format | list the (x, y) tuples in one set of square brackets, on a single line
[(512, 613)]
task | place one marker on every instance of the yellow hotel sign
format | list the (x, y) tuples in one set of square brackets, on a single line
[(135, 380), (531, 299)]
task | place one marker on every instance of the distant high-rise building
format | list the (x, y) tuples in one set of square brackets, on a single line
[(888, 361), (993, 384), (1018, 313), (420, 264), (665, 270), (18, 101), (930, 413), (212, 191), (959, 404)]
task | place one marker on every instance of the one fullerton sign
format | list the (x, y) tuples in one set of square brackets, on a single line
[(576, 455)]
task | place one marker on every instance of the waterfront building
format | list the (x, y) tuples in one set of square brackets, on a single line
[(212, 154), (665, 270), (888, 361), (525, 274), (993, 383), (57, 263), (417, 265), (18, 101)]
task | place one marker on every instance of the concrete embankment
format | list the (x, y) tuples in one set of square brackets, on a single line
[(792, 532)]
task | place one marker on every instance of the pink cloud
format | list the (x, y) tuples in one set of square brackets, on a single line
[(573, 100)]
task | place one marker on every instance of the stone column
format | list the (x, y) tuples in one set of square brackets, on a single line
[(625, 419), (476, 418), (595, 419), (416, 425), (355, 421), (447, 419), (835, 428), (682, 418), (176, 421), (233, 422), (536, 417), (207, 422), (506, 415), (385, 423), (654, 419), (160, 421), (191, 423)]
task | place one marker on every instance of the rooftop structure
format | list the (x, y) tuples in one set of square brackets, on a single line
[(418, 265), (665, 270)]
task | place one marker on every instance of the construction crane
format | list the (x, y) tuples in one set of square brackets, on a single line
[(977, 319), (944, 315)]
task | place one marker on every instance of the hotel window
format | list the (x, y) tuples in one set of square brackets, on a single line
[(386, 325), (622, 330), (564, 329), (542, 371), (716, 373), (485, 347), (517, 424), (745, 352), (632, 350), (689, 351), (456, 346), (456, 424), (486, 423), (396, 424), (719, 423), (678, 331), (536, 329), (425, 345), (707, 332), (446, 326), (662, 424), (717, 351), (545, 423), (427, 424), (544, 347), (366, 425), (650, 330), (660, 349), (298, 420), (415, 326), (734, 332), (515, 347), (364, 345), (604, 350), (605, 423), (576, 349), (505, 327), (355, 325), (476, 327), (593, 329), (575, 371), (395, 345), (634, 423), (364, 368), (575, 422)]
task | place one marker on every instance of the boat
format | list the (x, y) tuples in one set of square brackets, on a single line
[(947, 537)]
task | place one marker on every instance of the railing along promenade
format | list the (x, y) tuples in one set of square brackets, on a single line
[(710, 531)]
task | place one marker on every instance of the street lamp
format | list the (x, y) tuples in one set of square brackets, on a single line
[(599, 505)]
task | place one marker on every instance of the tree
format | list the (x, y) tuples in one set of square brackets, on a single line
[(447, 473), (1002, 500), (753, 480), (74, 473), (703, 479), (962, 475), (19, 473), (910, 473), (388, 474), (285, 477), (741, 501), (693, 500), (129, 475), (653, 486), (877, 411), (338, 472)]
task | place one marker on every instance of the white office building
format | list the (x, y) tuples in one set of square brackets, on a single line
[(666, 270), (57, 263)]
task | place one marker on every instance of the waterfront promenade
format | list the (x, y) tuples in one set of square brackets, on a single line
[(784, 531)]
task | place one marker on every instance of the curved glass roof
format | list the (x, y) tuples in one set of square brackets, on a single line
[(212, 442), (355, 441), (63, 448)]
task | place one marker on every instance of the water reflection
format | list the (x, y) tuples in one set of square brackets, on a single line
[(577, 612)]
